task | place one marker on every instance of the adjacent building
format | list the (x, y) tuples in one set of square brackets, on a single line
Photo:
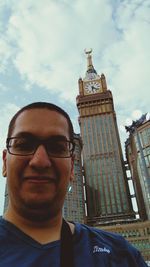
[(138, 234), (138, 156)]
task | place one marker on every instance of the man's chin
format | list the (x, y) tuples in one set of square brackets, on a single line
[(36, 205), (37, 201), (39, 211)]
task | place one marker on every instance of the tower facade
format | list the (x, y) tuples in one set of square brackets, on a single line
[(74, 206), (107, 192), (138, 156)]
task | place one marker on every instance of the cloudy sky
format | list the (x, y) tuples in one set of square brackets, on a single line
[(42, 55)]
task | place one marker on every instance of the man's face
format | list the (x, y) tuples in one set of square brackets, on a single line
[(37, 183)]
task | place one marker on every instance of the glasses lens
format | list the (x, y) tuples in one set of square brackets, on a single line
[(21, 146), (27, 146), (59, 148)]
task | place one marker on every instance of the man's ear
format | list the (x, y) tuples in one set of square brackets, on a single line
[(4, 172)]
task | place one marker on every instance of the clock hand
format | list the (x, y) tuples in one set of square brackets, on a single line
[(94, 88)]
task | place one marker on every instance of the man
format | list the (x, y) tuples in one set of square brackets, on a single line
[(38, 163)]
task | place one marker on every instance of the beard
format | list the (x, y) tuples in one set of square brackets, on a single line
[(39, 204), (39, 211)]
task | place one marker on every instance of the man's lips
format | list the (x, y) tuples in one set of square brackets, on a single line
[(40, 179)]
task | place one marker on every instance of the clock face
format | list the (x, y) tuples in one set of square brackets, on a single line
[(92, 87)]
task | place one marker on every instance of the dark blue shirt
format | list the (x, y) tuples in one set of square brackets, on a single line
[(92, 248)]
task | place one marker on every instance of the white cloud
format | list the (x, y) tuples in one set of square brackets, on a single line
[(128, 121), (148, 116), (5, 52), (3, 88), (127, 60), (49, 38), (6, 113), (136, 114), (122, 128)]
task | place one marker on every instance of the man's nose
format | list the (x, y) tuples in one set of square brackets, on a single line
[(40, 159)]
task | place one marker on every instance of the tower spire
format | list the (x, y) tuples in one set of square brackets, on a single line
[(90, 67)]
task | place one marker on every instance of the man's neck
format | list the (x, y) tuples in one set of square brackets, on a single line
[(42, 232)]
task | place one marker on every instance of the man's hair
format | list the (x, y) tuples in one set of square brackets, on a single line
[(41, 105)]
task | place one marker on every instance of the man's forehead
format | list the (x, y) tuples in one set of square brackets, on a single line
[(38, 117), (35, 112)]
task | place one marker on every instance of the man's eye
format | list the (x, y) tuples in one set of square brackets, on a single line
[(22, 144), (58, 146)]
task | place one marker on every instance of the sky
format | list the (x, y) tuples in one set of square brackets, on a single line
[(42, 56)]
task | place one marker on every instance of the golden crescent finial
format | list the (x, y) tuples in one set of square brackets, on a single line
[(88, 52)]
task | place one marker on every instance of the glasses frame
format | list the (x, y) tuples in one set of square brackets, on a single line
[(41, 142)]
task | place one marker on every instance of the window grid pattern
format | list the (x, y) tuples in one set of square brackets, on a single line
[(107, 189), (142, 142), (74, 209)]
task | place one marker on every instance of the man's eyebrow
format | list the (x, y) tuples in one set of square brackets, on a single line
[(24, 134), (30, 135), (57, 137)]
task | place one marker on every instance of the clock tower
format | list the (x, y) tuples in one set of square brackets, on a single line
[(107, 193)]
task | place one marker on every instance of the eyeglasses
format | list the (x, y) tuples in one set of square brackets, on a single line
[(55, 147)]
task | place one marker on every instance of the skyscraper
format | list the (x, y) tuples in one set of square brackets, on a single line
[(107, 191), (138, 156), (74, 209)]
